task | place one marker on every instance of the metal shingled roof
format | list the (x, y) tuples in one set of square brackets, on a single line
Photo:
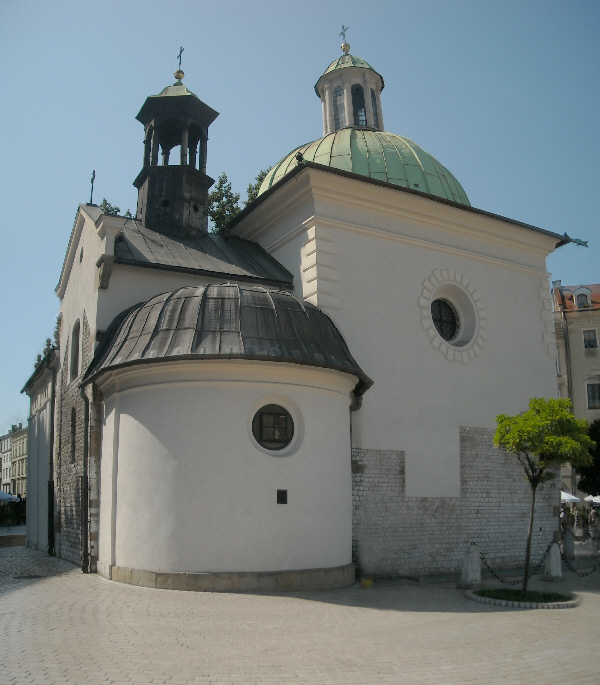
[(211, 254), (226, 321)]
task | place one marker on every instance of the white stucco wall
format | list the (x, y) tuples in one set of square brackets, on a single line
[(369, 254), (185, 488), (130, 285)]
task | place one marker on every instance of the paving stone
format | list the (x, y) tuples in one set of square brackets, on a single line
[(67, 627)]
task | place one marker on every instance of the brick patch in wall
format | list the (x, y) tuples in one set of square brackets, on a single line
[(396, 535)]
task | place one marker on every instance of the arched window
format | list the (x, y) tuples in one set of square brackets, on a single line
[(75, 350), (582, 300), (375, 112), (73, 432), (339, 113), (358, 105)]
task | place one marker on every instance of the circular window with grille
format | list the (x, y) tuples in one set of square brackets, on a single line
[(452, 315), (273, 427)]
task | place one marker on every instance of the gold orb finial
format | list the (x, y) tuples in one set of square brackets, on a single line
[(345, 48), (179, 75)]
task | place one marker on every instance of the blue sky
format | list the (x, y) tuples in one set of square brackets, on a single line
[(504, 93)]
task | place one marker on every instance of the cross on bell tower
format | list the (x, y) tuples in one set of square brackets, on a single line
[(173, 198)]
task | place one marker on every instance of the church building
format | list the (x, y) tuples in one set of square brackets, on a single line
[(310, 394)]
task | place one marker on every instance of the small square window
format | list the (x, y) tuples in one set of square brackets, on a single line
[(590, 340), (281, 496)]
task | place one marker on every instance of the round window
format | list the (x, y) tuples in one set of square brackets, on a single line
[(452, 315), (445, 319), (273, 427)]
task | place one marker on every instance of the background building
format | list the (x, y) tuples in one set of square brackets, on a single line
[(577, 325), (6, 461), (41, 389), (19, 441)]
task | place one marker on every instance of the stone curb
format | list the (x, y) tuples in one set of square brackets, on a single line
[(259, 581), (570, 604), (12, 540)]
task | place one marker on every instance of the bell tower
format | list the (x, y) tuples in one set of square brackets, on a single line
[(173, 193)]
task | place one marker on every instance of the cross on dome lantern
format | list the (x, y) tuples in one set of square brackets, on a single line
[(179, 73), (345, 45)]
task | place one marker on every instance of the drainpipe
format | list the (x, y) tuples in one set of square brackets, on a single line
[(51, 550), (354, 406), (565, 327), (85, 556)]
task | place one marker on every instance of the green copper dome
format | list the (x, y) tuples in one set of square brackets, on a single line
[(378, 155), (343, 62)]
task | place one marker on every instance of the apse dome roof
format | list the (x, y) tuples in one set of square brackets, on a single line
[(378, 155), (227, 321)]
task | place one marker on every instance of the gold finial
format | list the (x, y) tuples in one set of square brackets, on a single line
[(345, 46), (179, 74)]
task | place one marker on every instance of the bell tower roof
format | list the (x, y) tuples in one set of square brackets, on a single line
[(176, 99)]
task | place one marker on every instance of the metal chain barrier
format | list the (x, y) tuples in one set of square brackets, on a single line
[(491, 570), (520, 580), (536, 568), (544, 555), (577, 573)]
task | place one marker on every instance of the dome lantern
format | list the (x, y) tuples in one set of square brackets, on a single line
[(350, 91)]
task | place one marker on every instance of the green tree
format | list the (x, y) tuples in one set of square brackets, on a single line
[(107, 208), (543, 438), (222, 204), (589, 476), (253, 188)]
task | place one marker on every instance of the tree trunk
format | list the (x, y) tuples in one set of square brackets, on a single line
[(529, 536)]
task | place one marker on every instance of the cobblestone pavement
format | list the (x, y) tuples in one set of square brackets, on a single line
[(60, 626)]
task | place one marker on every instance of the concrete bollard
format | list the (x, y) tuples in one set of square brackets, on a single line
[(471, 572), (569, 545), (553, 570)]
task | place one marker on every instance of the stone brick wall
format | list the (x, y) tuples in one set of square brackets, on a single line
[(68, 510), (413, 536)]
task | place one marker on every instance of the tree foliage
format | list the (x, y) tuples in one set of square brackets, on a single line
[(543, 438), (547, 435), (589, 476), (107, 208), (253, 188), (222, 204)]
